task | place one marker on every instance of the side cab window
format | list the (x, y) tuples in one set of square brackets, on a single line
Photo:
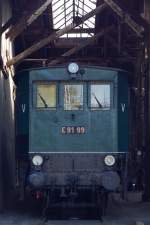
[(46, 95), (100, 96)]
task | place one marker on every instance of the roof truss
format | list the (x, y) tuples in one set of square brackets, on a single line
[(55, 35), (81, 46), (27, 20), (138, 29)]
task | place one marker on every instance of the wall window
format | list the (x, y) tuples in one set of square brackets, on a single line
[(46, 96), (73, 97), (100, 96), (64, 11)]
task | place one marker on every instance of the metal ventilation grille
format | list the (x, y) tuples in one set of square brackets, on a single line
[(64, 11)]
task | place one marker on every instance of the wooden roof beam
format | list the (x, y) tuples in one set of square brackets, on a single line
[(81, 30), (27, 20), (79, 47), (138, 29), (55, 35)]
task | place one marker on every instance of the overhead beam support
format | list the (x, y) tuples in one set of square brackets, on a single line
[(115, 44), (79, 47), (55, 35), (82, 30), (27, 20), (138, 29)]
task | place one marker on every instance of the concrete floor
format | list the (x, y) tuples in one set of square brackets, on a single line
[(118, 213)]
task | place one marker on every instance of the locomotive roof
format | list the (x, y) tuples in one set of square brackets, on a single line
[(82, 66)]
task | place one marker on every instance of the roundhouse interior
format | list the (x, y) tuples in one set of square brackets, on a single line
[(105, 33)]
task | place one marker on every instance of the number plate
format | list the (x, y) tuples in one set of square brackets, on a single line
[(73, 130)]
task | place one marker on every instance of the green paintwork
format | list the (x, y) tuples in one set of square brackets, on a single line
[(105, 131), (123, 112)]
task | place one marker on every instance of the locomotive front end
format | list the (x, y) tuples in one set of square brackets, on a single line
[(77, 132)]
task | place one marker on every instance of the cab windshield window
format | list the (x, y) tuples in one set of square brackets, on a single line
[(46, 96), (73, 97), (100, 96)]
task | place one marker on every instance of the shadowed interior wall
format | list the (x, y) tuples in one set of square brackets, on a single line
[(7, 132), (147, 10)]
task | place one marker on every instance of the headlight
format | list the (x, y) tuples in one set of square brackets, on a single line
[(37, 160), (109, 160), (73, 67)]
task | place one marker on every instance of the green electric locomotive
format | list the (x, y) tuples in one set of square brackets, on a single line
[(72, 132)]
